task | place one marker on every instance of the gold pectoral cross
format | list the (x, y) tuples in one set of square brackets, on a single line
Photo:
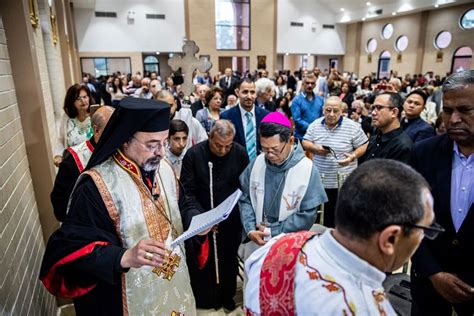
[(168, 267)]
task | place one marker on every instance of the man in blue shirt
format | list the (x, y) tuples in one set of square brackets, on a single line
[(306, 107)]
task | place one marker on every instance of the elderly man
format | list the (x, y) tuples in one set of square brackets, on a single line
[(246, 118), (306, 107), (389, 140), (225, 160), (415, 127), (442, 277), (341, 272), (201, 91), (111, 255), (281, 187), (144, 91), (75, 161), (336, 143), (264, 88)]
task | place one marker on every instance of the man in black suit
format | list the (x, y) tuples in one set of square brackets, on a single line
[(246, 118), (201, 91), (228, 83), (442, 275), (264, 88)]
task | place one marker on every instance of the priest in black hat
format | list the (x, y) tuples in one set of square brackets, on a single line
[(111, 254)]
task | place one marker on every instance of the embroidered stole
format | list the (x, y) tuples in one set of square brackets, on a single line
[(81, 154), (138, 216), (277, 277), (296, 184)]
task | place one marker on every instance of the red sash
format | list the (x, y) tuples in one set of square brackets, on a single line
[(277, 277)]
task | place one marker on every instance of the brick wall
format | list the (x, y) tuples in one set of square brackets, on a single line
[(21, 239)]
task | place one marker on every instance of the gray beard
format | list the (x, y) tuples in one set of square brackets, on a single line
[(151, 164)]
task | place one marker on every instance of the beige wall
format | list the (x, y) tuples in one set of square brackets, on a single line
[(263, 27), (408, 25), (420, 56), (21, 242), (441, 20)]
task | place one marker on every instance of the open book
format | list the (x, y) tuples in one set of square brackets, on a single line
[(206, 220)]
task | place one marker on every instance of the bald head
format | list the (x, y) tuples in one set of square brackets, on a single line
[(100, 119)]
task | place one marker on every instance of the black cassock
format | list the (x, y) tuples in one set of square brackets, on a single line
[(195, 179), (76, 257)]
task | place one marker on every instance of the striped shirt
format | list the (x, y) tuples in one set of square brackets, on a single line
[(345, 137)]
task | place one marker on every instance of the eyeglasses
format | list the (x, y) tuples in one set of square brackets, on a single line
[(379, 107), (153, 148), (273, 150), (81, 98), (430, 232)]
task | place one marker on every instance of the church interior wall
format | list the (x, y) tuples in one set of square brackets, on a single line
[(53, 59), (101, 34), (21, 237), (408, 25), (311, 38), (446, 20), (420, 55), (262, 42)]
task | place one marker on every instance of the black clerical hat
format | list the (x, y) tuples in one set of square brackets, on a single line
[(132, 115)]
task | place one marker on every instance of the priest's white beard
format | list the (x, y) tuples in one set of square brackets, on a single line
[(152, 164)]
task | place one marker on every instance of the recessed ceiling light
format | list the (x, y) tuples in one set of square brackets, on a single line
[(436, 5), (363, 19), (157, 53), (394, 13), (287, 54), (342, 9), (368, 3), (309, 54)]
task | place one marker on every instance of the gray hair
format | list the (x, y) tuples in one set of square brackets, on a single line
[(223, 128), (163, 94), (263, 84), (459, 80)]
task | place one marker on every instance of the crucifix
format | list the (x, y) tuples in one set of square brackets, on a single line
[(168, 267), (188, 64)]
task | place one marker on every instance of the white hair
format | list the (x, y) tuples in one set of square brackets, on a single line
[(263, 84)]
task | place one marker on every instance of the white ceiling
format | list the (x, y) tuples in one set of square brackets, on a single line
[(357, 10)]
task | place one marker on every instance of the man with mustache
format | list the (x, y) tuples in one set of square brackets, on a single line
[(112, 254), (442, 276)]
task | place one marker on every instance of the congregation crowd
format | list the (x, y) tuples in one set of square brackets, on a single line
[(385, 165)]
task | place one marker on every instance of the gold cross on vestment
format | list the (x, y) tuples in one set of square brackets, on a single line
[(168, 267)]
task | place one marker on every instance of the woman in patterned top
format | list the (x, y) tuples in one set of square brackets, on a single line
[(76, 127), (210, 114)]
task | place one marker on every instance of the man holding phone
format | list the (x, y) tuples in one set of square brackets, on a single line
[(337, 142)]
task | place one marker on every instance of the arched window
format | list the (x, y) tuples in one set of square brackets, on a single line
[(233, 24), (442, 40), (462, 59), (387, 31), (371, 45), (151, 63), (467, 20), (384, 65)]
